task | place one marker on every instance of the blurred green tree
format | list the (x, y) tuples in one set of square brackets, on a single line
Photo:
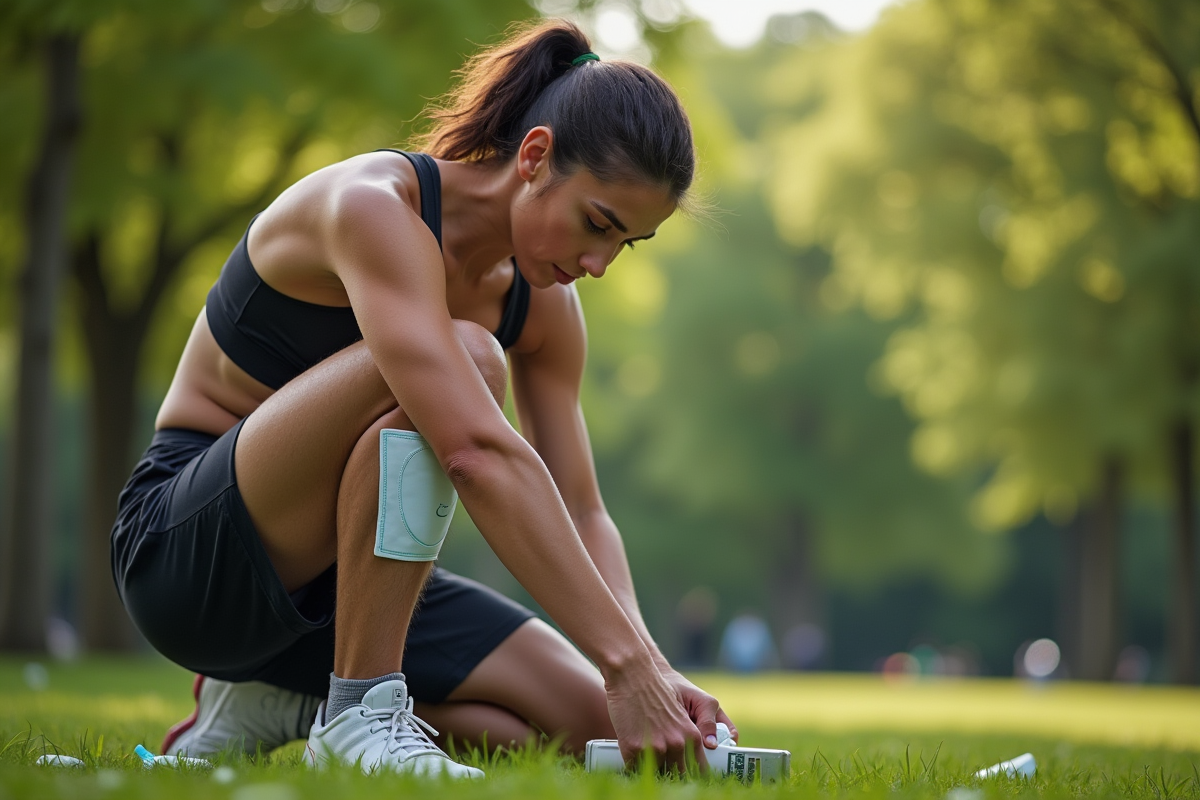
[(741, 399), (198, 113), (1017, 184), (49, 46)]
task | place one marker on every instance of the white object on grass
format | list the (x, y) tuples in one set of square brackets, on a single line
[(58, 761), (964, 793), (224, 775), (150, 761), (1023, 766), (747, 764)]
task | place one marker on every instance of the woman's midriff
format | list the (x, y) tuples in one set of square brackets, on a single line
[(209, 392)]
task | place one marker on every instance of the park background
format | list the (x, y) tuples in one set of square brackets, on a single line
[(920, 390)]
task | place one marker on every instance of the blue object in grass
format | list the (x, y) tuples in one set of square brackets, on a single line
[(149, 760)]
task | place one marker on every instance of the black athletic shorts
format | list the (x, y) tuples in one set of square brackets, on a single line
[(196, 581)]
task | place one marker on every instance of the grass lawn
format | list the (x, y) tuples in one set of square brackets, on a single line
[(849, 736)]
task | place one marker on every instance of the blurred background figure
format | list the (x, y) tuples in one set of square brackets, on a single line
[(62, 642), (1133, 665), (803, 647), (746, 645), (926, 660), (695, 615), (960, 660), (900, 666)]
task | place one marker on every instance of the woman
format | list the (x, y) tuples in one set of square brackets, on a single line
[(343, 381)]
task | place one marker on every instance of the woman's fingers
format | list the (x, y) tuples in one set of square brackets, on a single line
[(704, 713), (723, 717), (649, 714)]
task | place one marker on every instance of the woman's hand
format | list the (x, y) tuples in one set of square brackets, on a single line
[(701, 706), (649, 713)]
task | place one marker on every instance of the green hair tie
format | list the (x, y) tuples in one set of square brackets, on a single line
[(585, 57)]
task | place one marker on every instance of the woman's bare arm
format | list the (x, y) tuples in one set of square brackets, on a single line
[(391, 268), (546, 385)]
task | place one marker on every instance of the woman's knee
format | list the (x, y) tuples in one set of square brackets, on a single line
[(487, 354), (489, 359)]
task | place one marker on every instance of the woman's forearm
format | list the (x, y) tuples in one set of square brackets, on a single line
[(511, 497), (607, 550)]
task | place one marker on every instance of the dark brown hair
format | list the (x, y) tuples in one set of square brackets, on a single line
[(617, 119)]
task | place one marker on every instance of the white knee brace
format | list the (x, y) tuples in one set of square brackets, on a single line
[(416, 499)]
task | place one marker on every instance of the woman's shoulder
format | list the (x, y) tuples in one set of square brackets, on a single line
[(344, 188), (299, 242), (554, 322)]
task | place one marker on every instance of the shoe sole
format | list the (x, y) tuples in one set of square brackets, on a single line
[(183, 726)]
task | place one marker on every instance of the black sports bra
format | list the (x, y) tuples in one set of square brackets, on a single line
[(274, 337)]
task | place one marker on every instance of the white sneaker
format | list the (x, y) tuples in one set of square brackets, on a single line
[(382, 733), (250, 717)]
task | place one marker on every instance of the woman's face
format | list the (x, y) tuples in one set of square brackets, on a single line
[(568, 228)]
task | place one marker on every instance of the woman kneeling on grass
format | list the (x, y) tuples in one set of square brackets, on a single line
[(343, 384)]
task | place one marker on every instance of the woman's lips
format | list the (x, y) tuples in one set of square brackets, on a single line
[(561, 276)]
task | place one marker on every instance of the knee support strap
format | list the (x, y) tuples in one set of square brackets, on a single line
[(416, 499)]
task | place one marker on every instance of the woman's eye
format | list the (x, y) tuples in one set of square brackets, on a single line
[(592, 227)]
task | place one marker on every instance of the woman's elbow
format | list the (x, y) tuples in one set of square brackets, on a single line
[(465, 467), (478, 463)]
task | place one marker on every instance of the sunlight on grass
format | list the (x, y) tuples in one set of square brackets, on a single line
[(1149, 716), (45, 705), (850, 736)]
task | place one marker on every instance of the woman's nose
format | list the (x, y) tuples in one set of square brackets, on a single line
[(595, 263)]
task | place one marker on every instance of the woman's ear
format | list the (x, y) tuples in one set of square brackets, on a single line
[(533, 156)]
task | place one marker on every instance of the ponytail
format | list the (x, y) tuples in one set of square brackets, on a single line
[(617, 119)]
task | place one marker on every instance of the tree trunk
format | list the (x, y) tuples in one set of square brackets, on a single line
[(1099, 579), (798, 608), (1181, 624), (113, 343), (26, 601), (1070, 592)]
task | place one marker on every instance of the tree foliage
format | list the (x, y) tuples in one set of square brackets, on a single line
[(198, 114), (743, 405), (1026, 183), (1017, 184)]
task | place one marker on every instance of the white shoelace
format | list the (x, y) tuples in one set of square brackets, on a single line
[(407, 730)]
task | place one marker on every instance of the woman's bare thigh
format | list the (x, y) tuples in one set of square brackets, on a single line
[(292, 450), (538, 675), (291, 454)]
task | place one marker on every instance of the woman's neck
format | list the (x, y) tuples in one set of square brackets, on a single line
[(476, 225)]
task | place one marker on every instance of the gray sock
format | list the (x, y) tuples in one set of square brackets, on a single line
[(345, 693)]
